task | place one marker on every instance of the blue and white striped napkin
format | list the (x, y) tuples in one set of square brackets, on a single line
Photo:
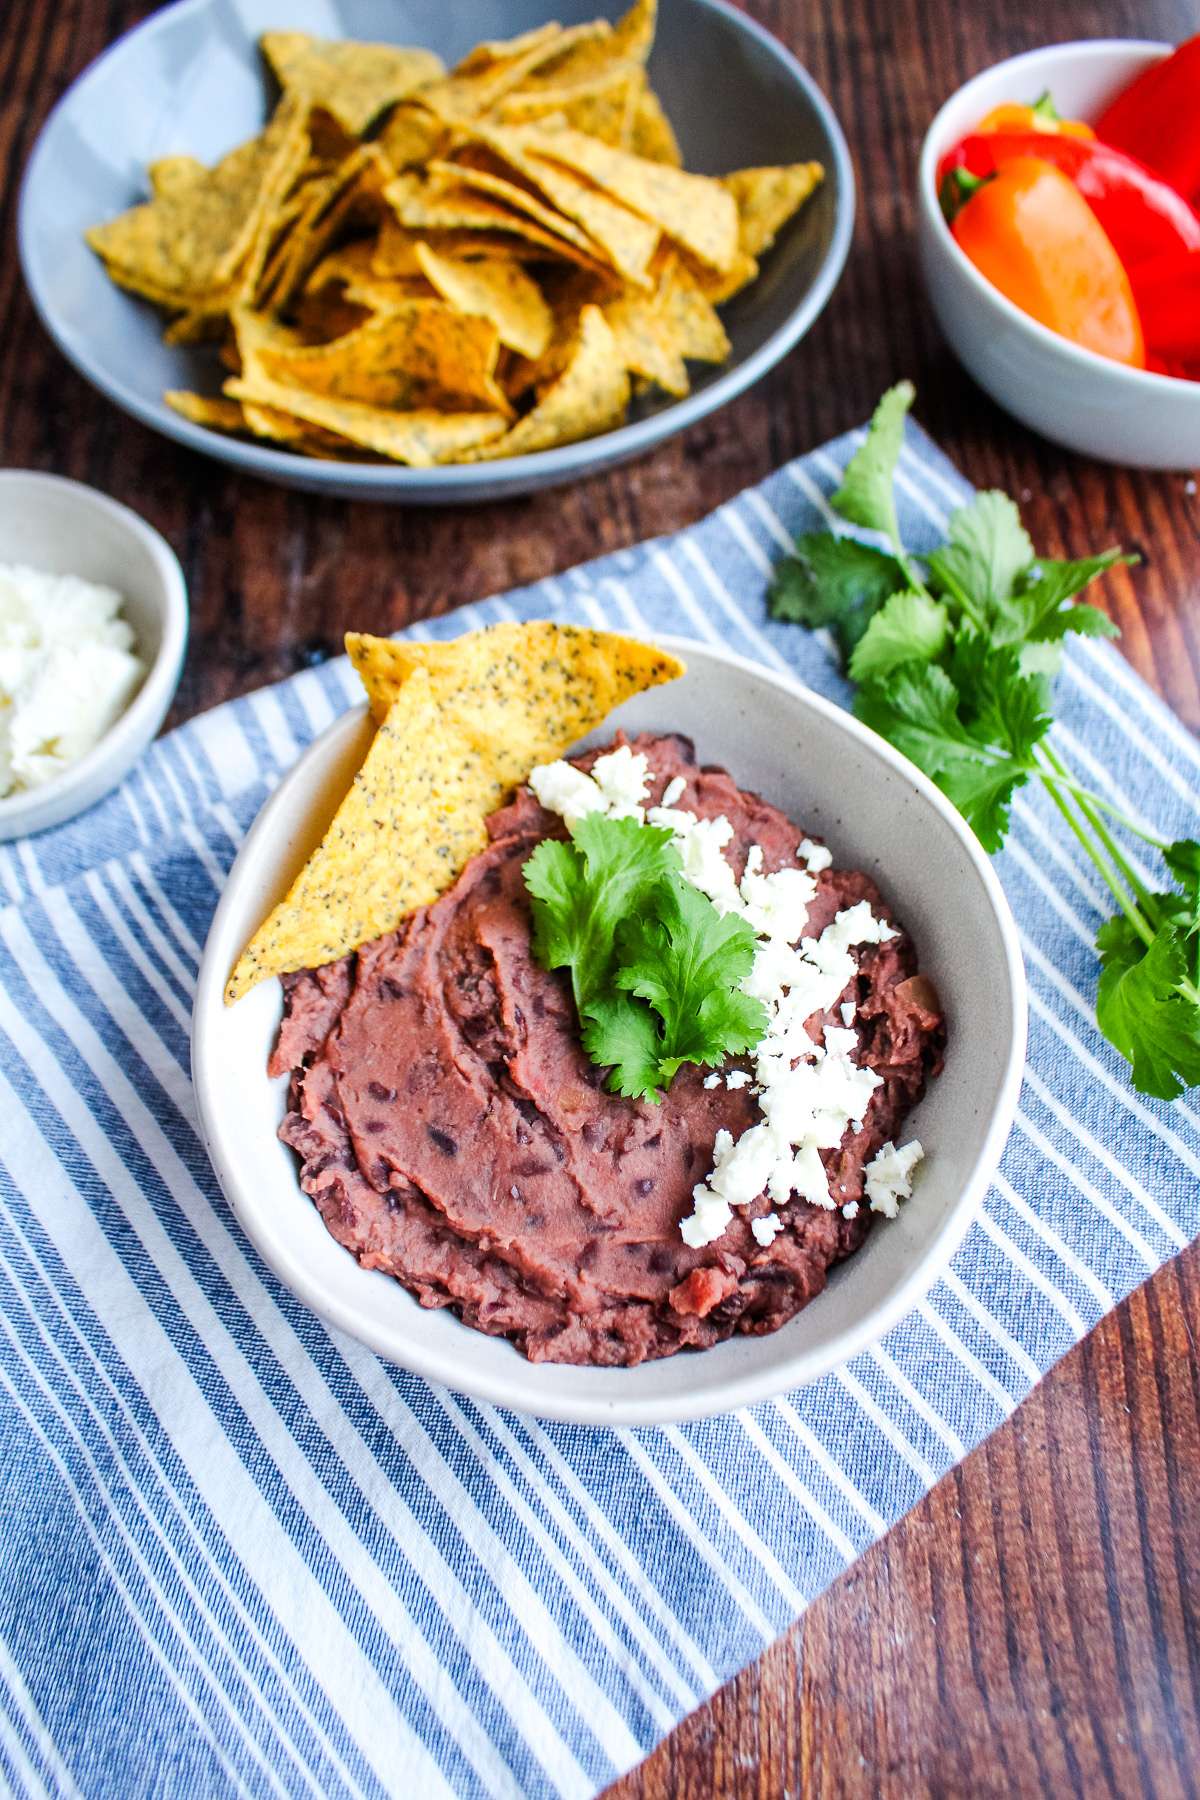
[(242, 1556)]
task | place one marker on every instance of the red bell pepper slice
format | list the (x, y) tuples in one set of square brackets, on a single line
[(1167, 290), (1157, 119), (1144, 216)]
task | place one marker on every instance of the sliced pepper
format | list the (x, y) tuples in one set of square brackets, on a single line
[(1142, 214), (1157, 119), (1167, 291), (1033, 235), (1043, 117)]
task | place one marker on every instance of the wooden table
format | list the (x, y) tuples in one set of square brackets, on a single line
[(1034, 1625)]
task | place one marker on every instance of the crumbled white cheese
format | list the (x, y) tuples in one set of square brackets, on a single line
[(712, 1081), (849, 1013), (737, 1078), (816, 856), (622, 777), (707, 1223), (766, 1229), (889, 1177), (565, 790), (68, 670), (850, 1210), (674, 791)]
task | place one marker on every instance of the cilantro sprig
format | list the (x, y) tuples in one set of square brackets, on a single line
[(655, 968), (953, 655)]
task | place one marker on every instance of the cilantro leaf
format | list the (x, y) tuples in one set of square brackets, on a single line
[(1005, 705), (983, 792), (987, 549), (622, 1032), (834, 581), (583, 889), (655, 968), (1143, 1009), (916, 709), (867, 496), (908, 627), (1040, 610)]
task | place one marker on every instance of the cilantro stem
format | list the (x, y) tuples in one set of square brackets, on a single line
[(1123, 899), (1086, 802)]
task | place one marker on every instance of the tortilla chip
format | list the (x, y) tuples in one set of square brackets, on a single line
[(646, 342), (717, 287), (499, 188), (490, 71), (499, 291), (652, 136), (694, 210), (506, 50), (213, 411), (412, 136), (604, 106), (590, 396), (351, 82), (690, 319), (542, 685), (627, 42), (460, 725), (627, 240), (419, 354), (174, 174), (352, 194), (767, 198), (420, 438), (439, 206), (189, 239)]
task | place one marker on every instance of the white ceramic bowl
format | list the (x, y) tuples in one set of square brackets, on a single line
[(1070, 395), (66, 528), (833, 776)]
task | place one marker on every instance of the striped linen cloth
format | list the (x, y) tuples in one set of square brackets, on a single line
[(243, 1556)]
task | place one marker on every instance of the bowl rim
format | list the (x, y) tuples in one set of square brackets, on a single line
[(1149, 382), (449, 480), (146, 710), (220, 1137)]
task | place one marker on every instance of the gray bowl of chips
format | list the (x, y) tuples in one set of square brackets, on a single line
[(345, 267)]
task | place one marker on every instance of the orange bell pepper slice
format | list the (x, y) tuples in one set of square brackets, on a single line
[(1042, 115), (1033, 235)]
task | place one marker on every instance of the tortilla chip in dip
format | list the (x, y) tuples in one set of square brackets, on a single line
[(460, 725)]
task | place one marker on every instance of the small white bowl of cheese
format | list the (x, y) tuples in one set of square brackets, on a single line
[(93, 627)]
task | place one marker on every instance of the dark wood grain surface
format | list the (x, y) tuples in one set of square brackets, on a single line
[(1034, 1626)]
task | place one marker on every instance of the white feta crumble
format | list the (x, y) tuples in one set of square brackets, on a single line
[(889, 1177), (766, 1229), (816, 856), (737, 1078), (850, 1210), (68, 670), (849, 1013), (563, 789), (622, 777), (712, 1081), (674, 791)]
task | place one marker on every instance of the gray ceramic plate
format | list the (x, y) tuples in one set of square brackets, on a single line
[(190, 79)]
